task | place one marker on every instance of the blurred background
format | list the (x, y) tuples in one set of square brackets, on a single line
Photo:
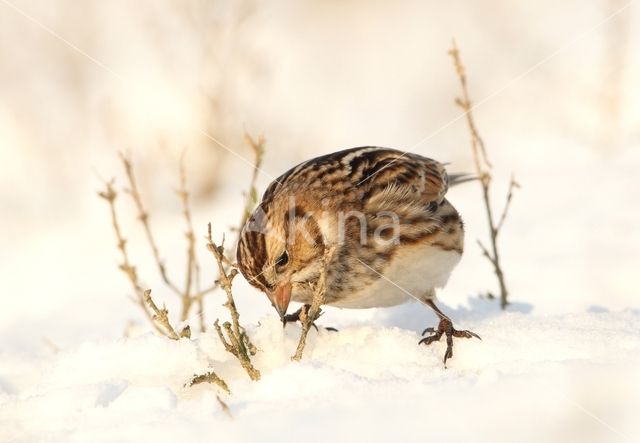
[(556, 84)]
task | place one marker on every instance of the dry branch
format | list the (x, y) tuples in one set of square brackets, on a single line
[(251, 197), (236, 341), (186, 332), (192, 292), (110, 195), (512, 185), (209, 377), (143, 216), (307, 317), (161, 316), (232, 335), (225, 407), (192, 262), (483, 167)]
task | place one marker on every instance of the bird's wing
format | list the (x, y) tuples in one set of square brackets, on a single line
[(370, 168), (406, 186), (381, 179), (379, 173), (390, 188)]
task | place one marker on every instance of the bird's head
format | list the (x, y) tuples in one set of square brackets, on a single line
[(280, 252)]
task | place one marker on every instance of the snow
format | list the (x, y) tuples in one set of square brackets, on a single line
[(531, 377), (78, 361)]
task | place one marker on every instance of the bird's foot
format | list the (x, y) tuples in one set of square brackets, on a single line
[(445, 327), (292, 318)]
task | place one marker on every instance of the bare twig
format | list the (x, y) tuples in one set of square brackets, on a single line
[(110, 195), (161, 316), (192, 263), (251, 197), (232, 335), (225, 407), (252, 194), (483, 166), (236, 342), (186, 332), (203, 325), (308, 317), (209, 377), (512, 185), (193, 268), (143, 216), (191, 293), (485, 251)]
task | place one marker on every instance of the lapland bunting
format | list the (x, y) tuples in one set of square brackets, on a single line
[(395, 235)]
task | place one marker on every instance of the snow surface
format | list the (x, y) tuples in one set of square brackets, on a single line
[(532, 377)]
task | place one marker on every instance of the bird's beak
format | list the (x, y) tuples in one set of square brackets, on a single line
[(280, 298)]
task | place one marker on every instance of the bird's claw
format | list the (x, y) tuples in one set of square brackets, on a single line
[(428, 330), (445, 327), (292, 318), (465, 334)]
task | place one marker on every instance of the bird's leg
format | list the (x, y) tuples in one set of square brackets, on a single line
[(445, 327), (292, 318)]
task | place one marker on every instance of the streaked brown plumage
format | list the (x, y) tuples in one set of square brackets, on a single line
[(385, 211)]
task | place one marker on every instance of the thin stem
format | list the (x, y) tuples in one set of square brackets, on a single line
[(483, 166), (161, 316), (251, 198), (193, 268), (513, 184), (143, 216), (237, 342), (308, 317), (209, 377), (110, 196)]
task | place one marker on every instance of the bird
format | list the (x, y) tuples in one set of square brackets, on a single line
[(383, 212)]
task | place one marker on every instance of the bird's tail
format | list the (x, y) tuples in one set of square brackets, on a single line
[(456, 179)]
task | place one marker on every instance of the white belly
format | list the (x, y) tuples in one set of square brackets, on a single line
[(412, 274)]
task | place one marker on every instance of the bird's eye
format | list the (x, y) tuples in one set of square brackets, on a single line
[(283, 259)]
